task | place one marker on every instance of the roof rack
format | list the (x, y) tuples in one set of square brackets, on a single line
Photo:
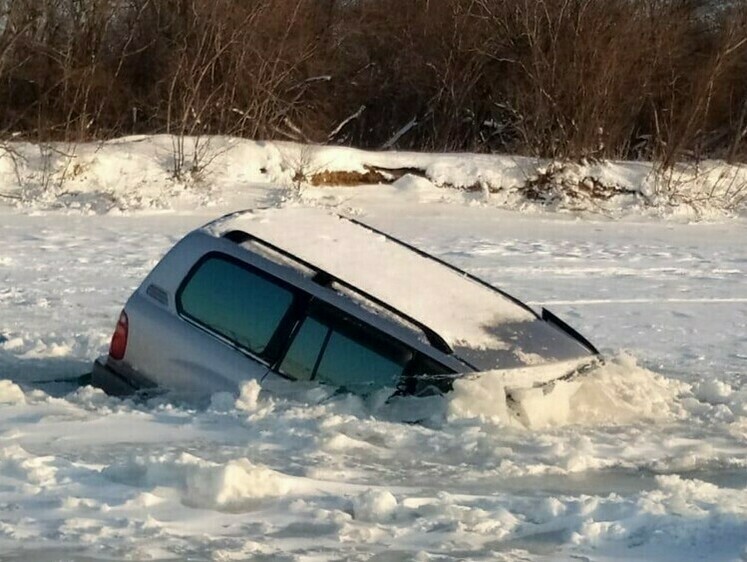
[(325, 278)]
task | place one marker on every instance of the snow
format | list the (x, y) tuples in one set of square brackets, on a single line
[(375, 506), (388, 271), (10, 393), (137, 172), (619, 392), (644, 461), (236, 485), (713, 392)]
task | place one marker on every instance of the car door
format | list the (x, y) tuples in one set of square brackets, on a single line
[(332, 348), (232, 322)]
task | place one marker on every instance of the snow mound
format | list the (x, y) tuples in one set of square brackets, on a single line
[(618, 392), (682, 519), (139, 173), (418, 189), (32, 471), (237, 485), (713, 392), (623, 392), (248, 399), (374, 506), (11, 393)]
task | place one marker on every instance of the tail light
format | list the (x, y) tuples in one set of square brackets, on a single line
[(118, 345)]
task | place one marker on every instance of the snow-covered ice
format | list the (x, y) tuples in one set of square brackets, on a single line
[(647, 460)]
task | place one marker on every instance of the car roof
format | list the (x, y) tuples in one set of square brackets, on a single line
[(464, 311)]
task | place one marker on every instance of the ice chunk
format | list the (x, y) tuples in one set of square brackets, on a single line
[(374, 506), (11, 393)]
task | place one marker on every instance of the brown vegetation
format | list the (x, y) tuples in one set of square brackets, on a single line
[(663, 79)]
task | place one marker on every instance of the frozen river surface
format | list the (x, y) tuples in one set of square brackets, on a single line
[(648, 462)]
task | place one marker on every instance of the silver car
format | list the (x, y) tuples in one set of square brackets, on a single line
[(306, 295)]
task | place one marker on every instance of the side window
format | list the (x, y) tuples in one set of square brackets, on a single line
[(332, 349), (357, 365), (235, 302)]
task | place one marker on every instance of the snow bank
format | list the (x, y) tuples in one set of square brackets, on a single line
[(137, 173), (11, 393), (416, 189)]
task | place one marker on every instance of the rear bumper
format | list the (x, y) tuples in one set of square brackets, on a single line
[(111, 382)]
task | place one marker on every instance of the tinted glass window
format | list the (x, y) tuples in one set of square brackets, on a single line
[(301, 358), (235, 302), (358, 366)]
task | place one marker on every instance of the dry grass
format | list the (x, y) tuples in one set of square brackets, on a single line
[(343, 178)]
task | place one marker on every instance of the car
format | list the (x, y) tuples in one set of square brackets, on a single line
[(304, 294)]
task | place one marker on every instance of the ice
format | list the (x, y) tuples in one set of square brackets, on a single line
[(10, 393), (482, 397), (619, 391), (645, 459), (374, 506), (248, 399), (232, 486), (713, 391)]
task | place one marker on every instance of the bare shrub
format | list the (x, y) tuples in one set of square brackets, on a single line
[(660, 79)]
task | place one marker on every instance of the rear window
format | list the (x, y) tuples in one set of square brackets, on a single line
[(236, 302)]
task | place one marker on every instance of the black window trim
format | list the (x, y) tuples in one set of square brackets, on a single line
[(322, 350), (303, 316)]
